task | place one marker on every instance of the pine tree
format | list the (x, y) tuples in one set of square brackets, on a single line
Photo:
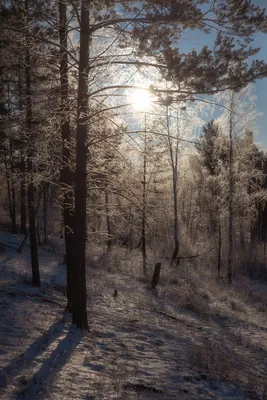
[(152, 30), (211, 156), (207, 146)]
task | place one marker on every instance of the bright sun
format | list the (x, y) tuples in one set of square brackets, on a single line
[(140, 99)]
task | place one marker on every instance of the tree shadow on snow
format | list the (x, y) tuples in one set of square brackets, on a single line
[(58, 343)]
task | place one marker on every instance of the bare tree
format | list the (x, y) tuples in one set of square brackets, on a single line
[(79, 276), (31, 202), (66, 173)]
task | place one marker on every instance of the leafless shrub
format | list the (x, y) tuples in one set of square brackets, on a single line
[(215, 358), (193, 301)]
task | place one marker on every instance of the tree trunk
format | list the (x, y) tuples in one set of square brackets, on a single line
[(13, 194), (144, 207), (230, 201), (23, 228), (8, 186), (155, 279), (174, 166), (32, 228), (22, 197), (66, 173), (242, 236), (46, 206), (9, 176), (79, 274), (219, 251), (175, 215), (38, 215), (131, 233), (109, 241)]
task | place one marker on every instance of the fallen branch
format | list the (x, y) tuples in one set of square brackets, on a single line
[(190, 257)]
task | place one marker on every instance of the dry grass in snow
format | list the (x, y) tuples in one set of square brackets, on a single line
[(193, 338)]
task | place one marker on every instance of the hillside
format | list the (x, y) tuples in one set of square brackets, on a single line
[(183, 341)]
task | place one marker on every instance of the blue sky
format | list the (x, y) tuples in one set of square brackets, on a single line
[(260, 40), (261, 93), (197, 39)]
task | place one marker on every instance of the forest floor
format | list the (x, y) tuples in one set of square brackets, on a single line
[(192, 339)]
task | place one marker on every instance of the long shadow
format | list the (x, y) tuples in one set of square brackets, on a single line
[(5, 260), (39, 346), (254, 365), (40, 382), (9, 254)]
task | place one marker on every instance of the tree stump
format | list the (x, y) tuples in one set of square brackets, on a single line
[(155, 279)]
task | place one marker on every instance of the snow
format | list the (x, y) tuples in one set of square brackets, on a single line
[(139, 345)]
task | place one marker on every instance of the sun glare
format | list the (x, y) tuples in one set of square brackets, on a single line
[(140, 99)]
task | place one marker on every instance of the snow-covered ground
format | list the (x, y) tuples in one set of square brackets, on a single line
[(141, 345)]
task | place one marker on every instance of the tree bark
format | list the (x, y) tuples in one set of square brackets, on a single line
[(79, 274), (109, 240), (22, 197), (155, 279), (219, 251), (32, 228), (175, 214), (66, 173), (231, 192), (174, 166), (144, 257), (13, 193), (23, 228), (46, 206), (38, 216), (9, 176), (8, 185)]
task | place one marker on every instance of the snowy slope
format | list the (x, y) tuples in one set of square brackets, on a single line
[(138, 347)]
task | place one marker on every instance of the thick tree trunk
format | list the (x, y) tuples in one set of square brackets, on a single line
[(66, 173), (32, 228), (79, 275)]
